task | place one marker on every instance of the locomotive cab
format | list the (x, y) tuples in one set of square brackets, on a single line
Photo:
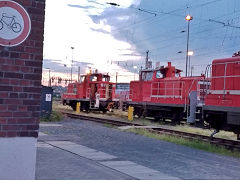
[(159, 73)]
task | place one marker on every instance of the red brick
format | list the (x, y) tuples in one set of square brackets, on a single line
[(3, 94), (26, 120), (3, 107), (19, 62), (33, 134), (17, 89), (3, 134), (14, 101), (33, 76), (21, 114), (12, 121), (3, 120), (33, 63), (5, 114), (30, 102), (32, 89), (4, 81), (11, 133), (14, 82), (10, 127), (10, 68), (24, 56), (13, 75), (23, 134), (32, 127), (23, 108), (6, 88), (12, 107)]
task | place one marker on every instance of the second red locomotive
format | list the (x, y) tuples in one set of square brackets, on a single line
[(213, 97), (94, 92)]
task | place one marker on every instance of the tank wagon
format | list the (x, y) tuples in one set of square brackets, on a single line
[(213, 98), (94, 92)]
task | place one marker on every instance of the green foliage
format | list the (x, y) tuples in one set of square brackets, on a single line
[(53, 117), (186, 142)]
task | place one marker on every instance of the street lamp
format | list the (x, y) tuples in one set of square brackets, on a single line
[(190, 53), (72, 63), (134, 67), (188, 18)]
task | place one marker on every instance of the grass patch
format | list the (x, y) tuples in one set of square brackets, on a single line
[(122, 115), (186, 142), (110, 126), (53, 117)]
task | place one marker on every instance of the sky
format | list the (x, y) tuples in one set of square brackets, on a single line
[(115, 38)]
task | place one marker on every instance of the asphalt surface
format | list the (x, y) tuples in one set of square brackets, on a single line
[(167, 158)]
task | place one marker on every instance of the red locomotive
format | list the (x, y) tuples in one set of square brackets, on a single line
[(94, 92), (213, 97), (222, 103)]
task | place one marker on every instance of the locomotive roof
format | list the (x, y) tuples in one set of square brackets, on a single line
[(162, 69), (96, 74), (232, 59)]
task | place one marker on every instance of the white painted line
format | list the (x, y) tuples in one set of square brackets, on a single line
[(126, 167), (82, 150), (43, 145), (42, 134), (137, 171), (49, 125)]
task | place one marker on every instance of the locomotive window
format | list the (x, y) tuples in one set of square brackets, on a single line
[(93, 78), (82, 79), (147, 76), (106, 79), (159, 74), (75, 89)]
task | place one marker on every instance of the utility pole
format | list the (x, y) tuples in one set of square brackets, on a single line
[(79, 73), (146, 64), (188, 18), (72, 63), (116, 77)]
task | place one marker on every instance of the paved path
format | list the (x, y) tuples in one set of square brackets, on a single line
[(114, 154)]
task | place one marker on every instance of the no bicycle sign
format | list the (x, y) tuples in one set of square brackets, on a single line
[(15, 24)]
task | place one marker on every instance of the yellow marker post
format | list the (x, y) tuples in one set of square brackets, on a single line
[(78, 107), (130, 113)]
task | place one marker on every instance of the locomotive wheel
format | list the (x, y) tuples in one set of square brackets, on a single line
[(158, 117), (138, 112), (176, 118)]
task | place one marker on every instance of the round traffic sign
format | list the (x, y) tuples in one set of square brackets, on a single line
[(15, 23)]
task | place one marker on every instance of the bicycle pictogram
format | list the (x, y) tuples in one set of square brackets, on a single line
[(10, 22)]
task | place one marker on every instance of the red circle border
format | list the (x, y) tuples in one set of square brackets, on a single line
[(27, 24)]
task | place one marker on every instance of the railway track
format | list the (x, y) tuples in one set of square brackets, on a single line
[(229, 144)]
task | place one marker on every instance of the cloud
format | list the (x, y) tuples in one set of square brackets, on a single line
[(58, 66), (100, 30), (82, 7)]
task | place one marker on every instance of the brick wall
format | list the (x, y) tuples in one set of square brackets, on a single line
[(20, 78)]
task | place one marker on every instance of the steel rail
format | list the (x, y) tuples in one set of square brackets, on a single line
[(101, 120), (229, 144)]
